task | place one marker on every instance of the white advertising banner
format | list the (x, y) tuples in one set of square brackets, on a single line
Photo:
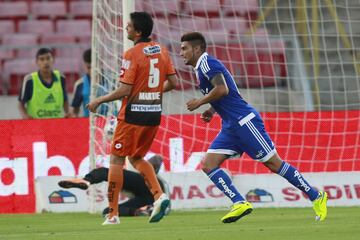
[(194, 190), (52, 198)]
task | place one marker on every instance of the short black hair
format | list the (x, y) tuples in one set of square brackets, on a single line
[(87, 56), (43, 51), (142, 23), (195, 39)]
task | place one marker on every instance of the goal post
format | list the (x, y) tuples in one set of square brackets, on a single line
[(296, 61)]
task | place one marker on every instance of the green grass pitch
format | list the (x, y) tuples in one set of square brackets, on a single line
[(263, 223)]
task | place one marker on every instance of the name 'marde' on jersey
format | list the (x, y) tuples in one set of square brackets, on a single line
[(145, 66)]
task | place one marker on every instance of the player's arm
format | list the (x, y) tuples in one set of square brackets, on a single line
[(78, 99), (123, 91), (220, 90), (22, 110), (24, 96), (170, 83)]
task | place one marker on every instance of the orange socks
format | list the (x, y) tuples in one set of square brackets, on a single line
[(115, 180), (147, 171)]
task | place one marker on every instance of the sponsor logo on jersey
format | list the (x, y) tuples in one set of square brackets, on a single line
[(151, 50), (43, 113), (50, 99)]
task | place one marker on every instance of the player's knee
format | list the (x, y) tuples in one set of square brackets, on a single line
[(207, 166), (274, 163), (117, 160)]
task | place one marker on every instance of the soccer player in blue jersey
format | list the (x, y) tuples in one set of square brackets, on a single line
[(242, 130)]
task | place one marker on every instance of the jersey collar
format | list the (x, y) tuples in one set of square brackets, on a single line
[(200, 59)]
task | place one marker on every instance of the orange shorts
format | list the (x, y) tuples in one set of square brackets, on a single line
[(132, 140)]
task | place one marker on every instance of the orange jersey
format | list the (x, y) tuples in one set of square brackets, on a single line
[(146, 67)]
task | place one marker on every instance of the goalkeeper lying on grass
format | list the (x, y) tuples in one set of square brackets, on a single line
[(140, 200)]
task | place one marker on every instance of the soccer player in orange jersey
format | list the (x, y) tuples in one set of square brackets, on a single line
[(147, 71)]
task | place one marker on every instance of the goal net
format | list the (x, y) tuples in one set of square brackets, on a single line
[(296, 61)]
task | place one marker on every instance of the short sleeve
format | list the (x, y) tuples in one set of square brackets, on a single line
[(128, 68), (211, 68), (76, 102), (64, 88), (26, 90)]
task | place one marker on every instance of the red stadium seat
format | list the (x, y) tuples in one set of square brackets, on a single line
[(246, 8), (36, 26), (233, 25), (81, 9), (13, 11), (6, 27), (161, 8), (64, 43), (14, 72), (74, 27), (23, 40), (208, 8), (71, 68), (57, 38), (192, 24), (48, 10)]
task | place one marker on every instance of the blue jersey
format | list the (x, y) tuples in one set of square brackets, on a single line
[(232, 107)]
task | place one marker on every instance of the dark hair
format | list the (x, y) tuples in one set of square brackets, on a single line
[(142, 23), (87, 56), (43, 51), (195, 39)]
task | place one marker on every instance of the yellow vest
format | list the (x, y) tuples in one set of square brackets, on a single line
[(46, 102)]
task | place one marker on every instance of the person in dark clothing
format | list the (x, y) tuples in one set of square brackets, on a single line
[(142, 200)]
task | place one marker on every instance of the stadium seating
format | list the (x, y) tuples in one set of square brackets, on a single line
[(160, 8), (36, 26), (15, 70), (233, 25), (240, 7), (14, 11), (49, 10), (76, 28), (21, 40), (208, 8), (71, 68), (81, 9), (6, 27), (56, 23)]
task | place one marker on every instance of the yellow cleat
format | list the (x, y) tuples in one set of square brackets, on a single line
[(320, 207), (238, 210)]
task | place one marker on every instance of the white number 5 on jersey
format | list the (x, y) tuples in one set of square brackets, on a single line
[(154, 74)]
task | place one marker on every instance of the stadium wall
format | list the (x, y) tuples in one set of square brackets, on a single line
[(37, 148)]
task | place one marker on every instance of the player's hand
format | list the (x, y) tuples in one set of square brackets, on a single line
[(193, 104), (207, 115), (93, 105)]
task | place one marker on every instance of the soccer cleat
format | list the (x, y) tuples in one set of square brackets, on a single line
[(74, 183), (111, 220), (320, 207), (238, 210), (160, 206)]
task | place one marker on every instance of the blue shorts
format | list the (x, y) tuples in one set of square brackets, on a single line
[(249, 136)]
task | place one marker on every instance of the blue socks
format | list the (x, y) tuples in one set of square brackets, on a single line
[(295, 178), (223, 182)]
